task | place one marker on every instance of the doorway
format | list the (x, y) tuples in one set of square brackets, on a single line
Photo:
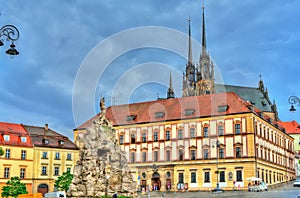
[(43, 188)]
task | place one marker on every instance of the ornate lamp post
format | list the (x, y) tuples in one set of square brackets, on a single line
[(293, 100), (217, 189), (9, 33)]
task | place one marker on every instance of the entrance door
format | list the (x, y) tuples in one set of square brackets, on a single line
[(43, 188), (155, 181)]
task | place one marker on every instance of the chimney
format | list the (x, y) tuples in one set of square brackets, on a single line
[(46, 127)]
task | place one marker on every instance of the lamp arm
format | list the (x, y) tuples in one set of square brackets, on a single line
[(10, 32)]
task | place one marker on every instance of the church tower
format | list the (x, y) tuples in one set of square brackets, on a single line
[(170, 93), (199, 79), (189, 77)]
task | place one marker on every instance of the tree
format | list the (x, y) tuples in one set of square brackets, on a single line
[(63, 182), (1, 151), (13, 188)]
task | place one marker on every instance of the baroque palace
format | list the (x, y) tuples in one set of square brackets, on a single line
[(214, 134)]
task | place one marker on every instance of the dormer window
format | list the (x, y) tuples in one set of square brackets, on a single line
[(223, 108), (159, 114), (23, 139), (45, 141), (6, 138), (263, 103), (61, 142), (189, 112), (131, 118), (252, 102)]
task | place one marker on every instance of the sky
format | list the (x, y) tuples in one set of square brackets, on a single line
[(72, 53)]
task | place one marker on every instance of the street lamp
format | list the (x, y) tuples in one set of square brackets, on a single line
[(217, 189), (9, 33), (293, 100)]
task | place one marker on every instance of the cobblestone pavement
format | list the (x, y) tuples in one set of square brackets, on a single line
[(282, 191)]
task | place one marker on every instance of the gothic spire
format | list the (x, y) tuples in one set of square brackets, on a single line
[(170, 93), (190, 57), (203, 31)]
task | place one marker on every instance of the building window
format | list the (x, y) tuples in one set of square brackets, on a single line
[(222, 176), (44, 155), (155, 156), (69, 169), (69, 156), (6, 172), (180, 178), (159, 114), (121, 139), (220, 129), (180, 134), (193, 177), (23, 154), (221, 152), (23, 139), (44, 170), (180, 153), (132, 157), (189, 112), (6, 138), (45, 141), (239, 176), (206, 177), (238, 152), (205, 131), (168, 155), (22, 173), (168, 135), (193, 154), (192, 133), (56, 171), (132, 138), (237, 128), (7, 153), (144, 137), (155, 137), (57, 156), (144, 156), (205, 153)]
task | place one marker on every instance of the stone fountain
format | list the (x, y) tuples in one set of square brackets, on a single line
[(102, 168)]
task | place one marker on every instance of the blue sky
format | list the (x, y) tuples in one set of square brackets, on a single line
[(245, 38)]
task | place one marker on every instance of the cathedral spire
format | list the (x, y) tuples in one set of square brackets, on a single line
[(170, 93), (190, 56), (203, 31)]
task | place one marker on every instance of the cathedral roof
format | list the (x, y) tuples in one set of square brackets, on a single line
[(254, 95), (176, 109)]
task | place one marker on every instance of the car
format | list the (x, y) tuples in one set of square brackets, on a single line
[(55, 194), (263, 186), (297, 183)]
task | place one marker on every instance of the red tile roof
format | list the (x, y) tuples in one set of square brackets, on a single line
[(174, 109), (15, 132), (291, 127)]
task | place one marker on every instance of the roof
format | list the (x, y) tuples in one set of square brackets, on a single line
[(15, 132), (254, 95), (55, 139), (175, 109), (291, 127)]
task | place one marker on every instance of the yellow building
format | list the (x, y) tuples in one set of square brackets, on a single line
[(293, 129), (199, 141), (53, 155), (18, 154)]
